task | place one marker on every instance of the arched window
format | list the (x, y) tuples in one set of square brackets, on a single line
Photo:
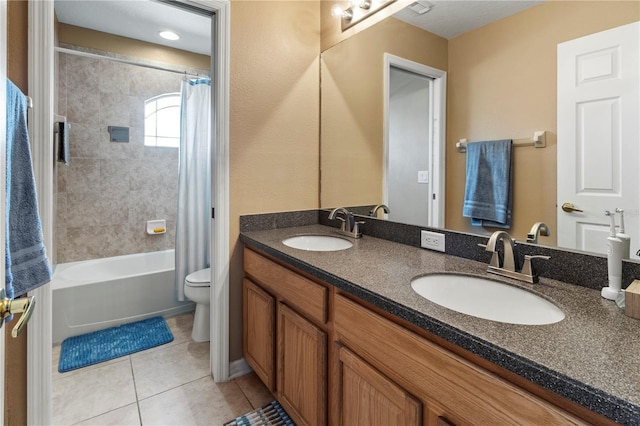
[(162, 121)]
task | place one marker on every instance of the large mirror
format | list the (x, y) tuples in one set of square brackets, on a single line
[(501, 84)]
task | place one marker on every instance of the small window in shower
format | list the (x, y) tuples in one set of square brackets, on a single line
[(162, 121)]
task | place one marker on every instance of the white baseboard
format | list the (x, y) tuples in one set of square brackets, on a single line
[(238, 368)]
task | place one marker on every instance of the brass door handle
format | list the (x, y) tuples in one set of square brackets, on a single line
[(570, 208), (22, 305)]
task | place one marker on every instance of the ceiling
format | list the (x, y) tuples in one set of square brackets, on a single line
[(140, 20), (450, 18), (143, 19)]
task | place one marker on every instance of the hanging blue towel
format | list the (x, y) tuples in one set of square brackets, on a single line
[(487, 195), (27, 266)]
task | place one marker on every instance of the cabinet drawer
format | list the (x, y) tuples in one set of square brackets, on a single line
[(430, 372), (305, 295)]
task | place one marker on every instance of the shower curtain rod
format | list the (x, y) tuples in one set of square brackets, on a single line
[(124, 61)]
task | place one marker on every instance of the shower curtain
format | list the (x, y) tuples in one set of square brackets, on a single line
[(194, 181)]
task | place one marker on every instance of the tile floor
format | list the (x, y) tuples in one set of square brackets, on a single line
[(166, 385)]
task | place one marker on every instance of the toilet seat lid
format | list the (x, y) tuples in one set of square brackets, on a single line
[(200, 278)]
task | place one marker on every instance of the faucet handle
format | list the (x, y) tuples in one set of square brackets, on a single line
[(527, 269), (356, 228)]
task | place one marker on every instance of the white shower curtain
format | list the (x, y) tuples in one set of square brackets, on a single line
[(194, 181)]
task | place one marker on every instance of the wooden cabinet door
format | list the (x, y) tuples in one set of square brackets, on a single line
[(370, 398), (302, 368), (258, 331)]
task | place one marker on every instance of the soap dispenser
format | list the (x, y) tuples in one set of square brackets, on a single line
[(615, 248), (625, 238)]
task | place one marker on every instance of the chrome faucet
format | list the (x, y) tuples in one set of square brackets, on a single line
[(508, 263), (374, 211), (508, 268), (540, 228), (349, 227)]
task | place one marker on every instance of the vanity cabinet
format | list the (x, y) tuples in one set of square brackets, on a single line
[(302, 366), (453, 390), (367, 397), (285, 336), (259, 318), (340, 361)]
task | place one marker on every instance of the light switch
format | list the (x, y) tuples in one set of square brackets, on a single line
[(423, 176)]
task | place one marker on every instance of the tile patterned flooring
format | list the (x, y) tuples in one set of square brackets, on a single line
[(166, 385)]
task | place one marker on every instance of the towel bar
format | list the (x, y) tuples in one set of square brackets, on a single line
[(539, 140)]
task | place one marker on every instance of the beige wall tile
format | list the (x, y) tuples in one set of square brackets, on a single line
[(83, 175), (112, 189)]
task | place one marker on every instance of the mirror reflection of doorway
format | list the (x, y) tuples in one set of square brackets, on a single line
[(410, 118), (414, 146)]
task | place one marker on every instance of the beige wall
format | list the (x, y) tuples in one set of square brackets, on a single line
[(352, 107), (126, 46), (274, 121), (502, 84)]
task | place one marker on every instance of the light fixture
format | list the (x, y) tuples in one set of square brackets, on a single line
[(338, 12), (169, 35), (357, 10), (362, 4)]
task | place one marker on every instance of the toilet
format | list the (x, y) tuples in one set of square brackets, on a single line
[(196, 288)]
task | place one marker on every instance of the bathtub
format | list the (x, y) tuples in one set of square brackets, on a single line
[(95, 294)]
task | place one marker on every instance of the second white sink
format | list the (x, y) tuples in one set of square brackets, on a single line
[(317, 243), (488, 299)]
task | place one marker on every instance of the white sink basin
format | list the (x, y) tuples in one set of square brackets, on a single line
[(488, 299), (317, 243)]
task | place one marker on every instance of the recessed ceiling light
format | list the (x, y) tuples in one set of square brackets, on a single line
[(169, 35)]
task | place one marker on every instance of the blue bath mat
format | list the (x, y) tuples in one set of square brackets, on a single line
[(271, 414), (103, 345)]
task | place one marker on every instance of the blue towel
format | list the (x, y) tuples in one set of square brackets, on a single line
[(487, 195), (27, 266)]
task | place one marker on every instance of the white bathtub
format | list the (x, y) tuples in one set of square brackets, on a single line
[(94, 294)]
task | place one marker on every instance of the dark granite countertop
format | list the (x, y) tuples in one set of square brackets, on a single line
[(592, 357)]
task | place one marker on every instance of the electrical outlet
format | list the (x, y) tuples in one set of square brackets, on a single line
[(432, 240)]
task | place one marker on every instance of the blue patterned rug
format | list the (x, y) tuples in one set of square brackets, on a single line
[(271, 414), (103, 345)]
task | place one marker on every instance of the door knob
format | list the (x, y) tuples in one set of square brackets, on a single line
[(570, 208), (22, 305)]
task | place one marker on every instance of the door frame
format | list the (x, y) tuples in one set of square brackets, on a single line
[(438, 145), (3, 178), (41, 85)]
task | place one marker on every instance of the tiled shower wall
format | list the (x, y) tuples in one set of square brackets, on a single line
[(109, 190)]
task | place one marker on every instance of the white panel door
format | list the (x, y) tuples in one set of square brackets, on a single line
[(599, 136)]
